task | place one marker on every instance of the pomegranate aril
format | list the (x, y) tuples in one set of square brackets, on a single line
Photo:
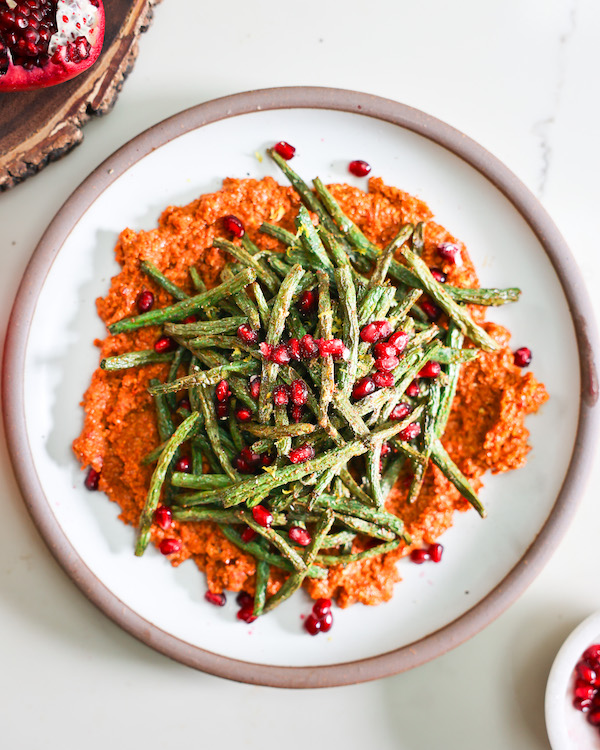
[(184, 464), (165, 344), (307, 302), (398, 340), (430, 370), (91, 480), (400, 412), (582, 704), (309, 347), (385, 449), (375, 331), (184, 404), (265, 349), (593, 717), (363, 387), (438, 275), (163, 517), (584, 690), (145, 301), (312, 625), (247, 614), (246, 334), (281, 395), (359, 168), (244, 599), (387, 364), (450, 253), (592, 653), (222, 391), (432, 311), (285, 150), (522, 357), (234, 225), (299, 392), (255, 387), (300, 536), (218, 600), (243, 414), (266, 459), (301, 454), (383, 379), (296, 413), (585, 671), (435, 552), (413, 389), (222, 409), (293, 346), (248, 535), (280, 355), (410, 432), (335, 347), (170, 546), (321, 607), (262, 516), (384, 349), (419, 556), (326, 622)]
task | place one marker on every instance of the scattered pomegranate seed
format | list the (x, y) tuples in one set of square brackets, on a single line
[(281, 395), (592, 653), (247, 335), (387, 364), (321, 607), (450, 253), (285, 150), (584, 690), (359, 168), (585, 671), (190, 319), (184, 404), (432, 311), (248, 535), (145, 301), (307, 302), (293, 346), (410, 432), (296, 413), (265, 349), (299, 392), (400, 411), (300, 536), (419, 556), (244, 599), (165, 344), (184, 464), (363, 387), (243, 414), (383, 379), (376, 331), (312, 625), (413, 389), (262, 516), (335, 347), (435, 552), (266, 459), (309, 347), (430, 370), (522, 357), (247, 462), (222, 409), (218, 600), (301, 454), (255, 387), (234, 225), (170, 546), (246, 614), (92, 479), (384, 349), (438, 275), (398, 340), (326, 622), (385, 449), (582, 704), (222, 391), (280, 355), (163, 517)]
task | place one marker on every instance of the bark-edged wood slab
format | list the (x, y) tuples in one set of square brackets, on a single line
[(41, 126)]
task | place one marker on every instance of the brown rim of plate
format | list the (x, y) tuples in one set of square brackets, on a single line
[(525, 570)]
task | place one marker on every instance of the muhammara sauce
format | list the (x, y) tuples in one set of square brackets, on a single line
[(485, 431)]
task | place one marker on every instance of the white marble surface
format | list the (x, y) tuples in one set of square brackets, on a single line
[(520, 77)]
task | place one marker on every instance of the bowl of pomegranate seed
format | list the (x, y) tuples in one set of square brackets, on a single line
[(573, 690)]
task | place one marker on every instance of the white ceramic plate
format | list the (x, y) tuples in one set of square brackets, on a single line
[(50, 359), (567, 727)]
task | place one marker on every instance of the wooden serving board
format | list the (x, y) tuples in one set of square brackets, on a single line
[(41, 126)]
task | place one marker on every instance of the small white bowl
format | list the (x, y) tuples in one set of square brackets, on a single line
[(567, 728)]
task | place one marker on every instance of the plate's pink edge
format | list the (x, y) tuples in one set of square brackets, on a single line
[(502, 595)]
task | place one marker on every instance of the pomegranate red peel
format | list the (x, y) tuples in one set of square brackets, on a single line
[(46, 42)]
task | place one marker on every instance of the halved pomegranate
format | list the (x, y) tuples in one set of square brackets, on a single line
[(45, 42)]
